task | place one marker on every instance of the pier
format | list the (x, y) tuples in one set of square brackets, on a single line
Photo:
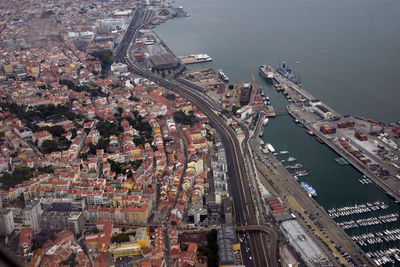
[(192, 59), (356, 209), (388, 218)]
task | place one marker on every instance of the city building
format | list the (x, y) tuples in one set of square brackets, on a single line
[(125, 249), (25, 239), (31, 214), (6, 222), (62, 220), (76, 223)]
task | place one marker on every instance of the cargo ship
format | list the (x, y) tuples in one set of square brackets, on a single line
[(311, 191), (245, 94), (266, 72), (222, 76)]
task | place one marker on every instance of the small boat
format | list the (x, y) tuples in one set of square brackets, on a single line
[(301, 173), (270, 148), (290, 159), (309, 132), (266, 120), (283, 152), (296, 120)]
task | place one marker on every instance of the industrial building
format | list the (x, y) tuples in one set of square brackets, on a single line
[(164, 61), (226, 238), (309, 252)]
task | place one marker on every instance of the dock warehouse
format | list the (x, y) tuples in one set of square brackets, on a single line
[(303, 244), (164, 61)]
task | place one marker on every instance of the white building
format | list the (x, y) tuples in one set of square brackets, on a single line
[(120, 67), (245, 111), (6, 222)]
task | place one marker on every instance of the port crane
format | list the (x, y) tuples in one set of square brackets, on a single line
[(254, 82)]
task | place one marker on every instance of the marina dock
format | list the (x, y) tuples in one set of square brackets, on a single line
[(346, 135), (294, 111)]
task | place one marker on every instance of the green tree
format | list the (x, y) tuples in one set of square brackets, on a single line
[(56, 130), (49, 146), (224, 111), (18, 175), (235, 109), (71, 260), (105, 58)]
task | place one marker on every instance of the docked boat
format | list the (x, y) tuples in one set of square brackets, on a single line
[(265, 121), (290, 159), (301, 173), (311, 191), (319, 140), (222, 76), (261, 133), (296, 166), (296, 120), (309, 132), (266, 72), (278, 87), (201, 57), (270, 148), (285, 71)]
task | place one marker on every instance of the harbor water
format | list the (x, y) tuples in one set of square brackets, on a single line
[(347, 53)]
